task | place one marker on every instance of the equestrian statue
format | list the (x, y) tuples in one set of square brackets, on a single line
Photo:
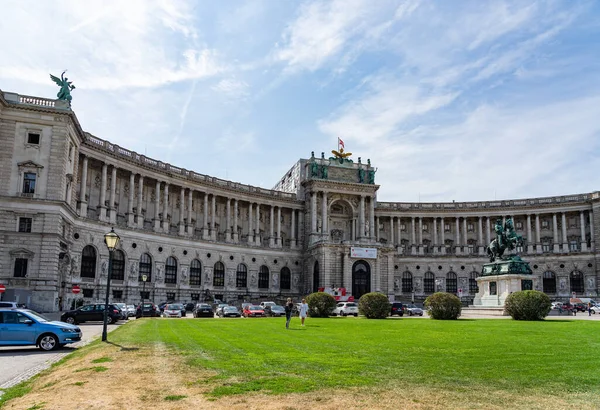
[(506, 238)]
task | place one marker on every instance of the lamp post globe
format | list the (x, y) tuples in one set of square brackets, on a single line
[(144, 279), (111, 239)]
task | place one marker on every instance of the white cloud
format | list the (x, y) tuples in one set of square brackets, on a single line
[(232, 88)]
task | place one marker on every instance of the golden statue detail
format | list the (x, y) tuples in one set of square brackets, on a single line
[(341, 154)]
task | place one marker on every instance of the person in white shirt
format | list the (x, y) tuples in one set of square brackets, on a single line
[(303, 310)]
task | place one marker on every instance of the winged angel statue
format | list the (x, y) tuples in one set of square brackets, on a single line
[(65, 87)]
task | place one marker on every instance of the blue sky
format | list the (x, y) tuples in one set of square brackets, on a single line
[(469, 100)]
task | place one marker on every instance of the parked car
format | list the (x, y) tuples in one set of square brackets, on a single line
[(12, 305), (412, 310), (274, 310), (130, 310), (581, 307), (220, 307), (345, 309), (123, 308), (253, 311), (265, 304), (147, 309), (161, 306), (245, 305), (89, 313), (23, 327), (203, 310), (190, 307), (173, 310), (595, 309), (230, 311), (397, 309)]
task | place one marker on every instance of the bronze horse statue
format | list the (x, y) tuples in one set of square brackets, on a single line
[(506, 238)]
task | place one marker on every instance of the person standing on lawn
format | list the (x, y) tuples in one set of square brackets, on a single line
[(289, 306), (303, 310)]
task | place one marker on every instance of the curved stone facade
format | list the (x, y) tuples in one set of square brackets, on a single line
[(195, 236)]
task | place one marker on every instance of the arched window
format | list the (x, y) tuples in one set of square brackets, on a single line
[(577, 282), (171, 270), (263, 277), (219, 274), (241, 276), (118, 265), (88, 262), (451, 283), (286, 278), (145, 267), (473, 288), (549, 282), (316, 281), (195, 273), (407, 282), (429, 283)]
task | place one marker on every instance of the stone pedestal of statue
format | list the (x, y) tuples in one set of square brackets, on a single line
[(501, 278)]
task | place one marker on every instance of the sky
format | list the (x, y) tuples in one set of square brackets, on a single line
[(450, 100)]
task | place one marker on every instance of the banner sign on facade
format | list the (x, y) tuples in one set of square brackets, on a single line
[(367, 253)]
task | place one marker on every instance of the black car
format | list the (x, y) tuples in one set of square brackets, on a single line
[(275, 311), (230, 311), (89, 313), (190, 307), (147, 310), (203, 310), (397, 309)]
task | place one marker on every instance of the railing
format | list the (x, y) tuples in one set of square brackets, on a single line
[(43, 102)]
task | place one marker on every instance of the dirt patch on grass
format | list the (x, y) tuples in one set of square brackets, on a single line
[(155, 377)]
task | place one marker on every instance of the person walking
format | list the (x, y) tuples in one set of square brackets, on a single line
[(303, 310), (589, 308), (289, 306)]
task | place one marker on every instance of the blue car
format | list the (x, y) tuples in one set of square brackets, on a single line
[(22, 327)]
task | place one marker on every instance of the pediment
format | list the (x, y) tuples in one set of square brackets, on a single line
[(29, 164), (21, 252)]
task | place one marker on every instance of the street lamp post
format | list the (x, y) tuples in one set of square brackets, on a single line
[(112, 240), (412, 299), (144, 279)]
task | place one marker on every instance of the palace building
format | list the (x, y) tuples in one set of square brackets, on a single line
[(197, 237)]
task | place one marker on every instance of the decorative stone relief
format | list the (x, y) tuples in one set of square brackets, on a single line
[(104, 268), (562, 284), (133, 270), (275, 279), (397, 284), (591, 283)]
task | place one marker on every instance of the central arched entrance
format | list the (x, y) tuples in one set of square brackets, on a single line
[(361, 279)]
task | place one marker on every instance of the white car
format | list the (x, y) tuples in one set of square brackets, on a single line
[(413, 310), (265, 304), (595, 309), (131, 310), (172, 310), (345, 309)]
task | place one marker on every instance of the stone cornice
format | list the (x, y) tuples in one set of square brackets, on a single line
[(313, 185)]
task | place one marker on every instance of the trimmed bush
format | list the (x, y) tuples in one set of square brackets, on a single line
[(443, 306), (320, 304), (527, 305), (374, 305)]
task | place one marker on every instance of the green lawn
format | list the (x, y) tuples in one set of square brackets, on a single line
[(261, 355)]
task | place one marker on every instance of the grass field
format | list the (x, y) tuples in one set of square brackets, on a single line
[(482, 362)]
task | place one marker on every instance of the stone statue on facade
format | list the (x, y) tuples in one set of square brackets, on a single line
[(361, 175), (372, 176), (74, 265), (314, 169), (104, 268), (133, 271), (275, 279), (65, 85), (325, 172)]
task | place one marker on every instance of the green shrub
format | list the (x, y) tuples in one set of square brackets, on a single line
[(320, 304), (443, 306), (527, 305), (374, 305)]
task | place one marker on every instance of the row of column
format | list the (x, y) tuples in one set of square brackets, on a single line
[(461, 240), (135, 218), (359, 232)]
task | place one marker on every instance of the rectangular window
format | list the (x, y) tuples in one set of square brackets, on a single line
[(29, 183), (145, 295), (425, 227), (403, 227), (470, 228), (546, 246), (519, 226), (545, 224), (519, 248), (493, 288), (195, 297), (117, 294), (470, 249), (25, 224), (33, 138), (447, 228), (20, 268), (88, 293), (170, 296), (574, 246)]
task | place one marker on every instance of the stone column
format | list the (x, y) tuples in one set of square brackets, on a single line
[(592, 241), (457, 244), (538, 236), (435, 237), (529, 238), (582, 228), (205, 218), (480, 247), (182, 211), (140, 202), (392, 242), (421, 250), (465, 237), (190, 224), (361, 218), (313, 213), (130, 214), (258, 239), (103, 194), (213, 218), (228, 220), (236, 238), (488, 230), (83, 204), (165, 215), (293, 229), (377, 229), (324, 217), (372, 217), (565, 240), (556, 247), (113, 193), (300, 228), (250, 229), (272, 227), (278, 241), (157, 208), (413, 240), (443, 235)]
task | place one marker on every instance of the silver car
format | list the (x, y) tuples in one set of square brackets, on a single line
[(413, 310), (172, 310), (131, 310)]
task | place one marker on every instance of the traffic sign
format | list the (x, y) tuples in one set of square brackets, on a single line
[(76, 289), (2, 288), (573, 295), (460, 292)]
